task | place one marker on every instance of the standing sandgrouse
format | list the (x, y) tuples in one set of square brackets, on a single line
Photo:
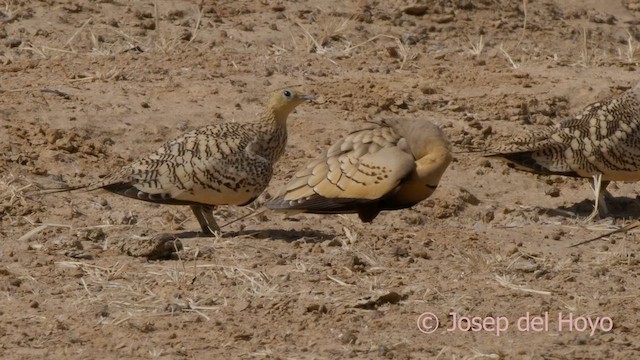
[(223, 164), (393, 165), (602, 142)]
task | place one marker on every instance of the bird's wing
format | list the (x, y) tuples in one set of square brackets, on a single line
[(364, 166), (613, 144), (209, 165)]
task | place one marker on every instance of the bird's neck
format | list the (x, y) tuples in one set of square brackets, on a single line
[(272, 130), (273, 121)]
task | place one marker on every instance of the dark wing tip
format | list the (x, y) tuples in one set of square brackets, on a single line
[(47, 191), (317, 204), (525, 161), (129, 190), (278, 203)]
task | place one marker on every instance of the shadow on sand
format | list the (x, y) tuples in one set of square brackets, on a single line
[(619, 208), (284, 235), (273, 234)]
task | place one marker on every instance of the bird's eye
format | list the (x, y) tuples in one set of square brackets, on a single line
[(287, 93)]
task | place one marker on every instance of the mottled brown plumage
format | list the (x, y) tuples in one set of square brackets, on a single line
[(222, 164), (602, 142), (392, 165)]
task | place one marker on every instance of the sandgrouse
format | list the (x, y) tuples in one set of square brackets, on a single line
[(393, 165), (602, 142), (223, 164)]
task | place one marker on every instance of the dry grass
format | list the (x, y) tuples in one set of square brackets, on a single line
[(132, 294), (477, 47), (361, 249), (77, 46), (13, 195), (9, 10), (524, 24), (404, 52), (332, 30), (610, 231), (197, 25), (45, 52), (509, 282), (628, 54), (502, 269), (337, 31), (508, 57), (586, 54), (479, 263), (69, 43), (113, 73), (589, 54), (13, 188)]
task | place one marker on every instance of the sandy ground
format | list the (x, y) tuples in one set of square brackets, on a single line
[(88, 86)]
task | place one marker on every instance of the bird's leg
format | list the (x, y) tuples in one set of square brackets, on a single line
[(207, 211), (197, 211), (604, 191), (204, 214), (599, 189), (603, 195)]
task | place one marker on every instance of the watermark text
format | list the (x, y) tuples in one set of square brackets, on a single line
[(562, 321)]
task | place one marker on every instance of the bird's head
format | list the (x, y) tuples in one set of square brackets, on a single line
[(283, 101)]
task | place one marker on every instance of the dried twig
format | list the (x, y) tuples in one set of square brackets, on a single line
[(56, 92), (621, 230)]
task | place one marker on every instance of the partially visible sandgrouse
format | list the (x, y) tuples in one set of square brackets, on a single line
[(223, 164), (602, 142), (392, 165)]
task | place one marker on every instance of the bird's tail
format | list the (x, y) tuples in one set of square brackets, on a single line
[(468, 149), (47, 191)]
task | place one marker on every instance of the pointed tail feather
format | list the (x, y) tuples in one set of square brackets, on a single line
[(47, 191), (525, 161)]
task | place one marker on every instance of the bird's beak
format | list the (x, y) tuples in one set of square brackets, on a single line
[(308, 97)]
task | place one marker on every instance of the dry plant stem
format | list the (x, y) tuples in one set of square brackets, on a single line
[(68, 43), (317, 45), (155, 16), (197, 26), (59, 50), (584, 53), (476, 49), (319, 48), (506, 54), (369, 40), (524, 25), (506, 282), (338, 281), (630, 48), (621, 230), (127, 37), (249, 215)]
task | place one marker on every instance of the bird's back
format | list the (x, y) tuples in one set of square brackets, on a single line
[(603, 139), (367, 171), (211, 165)]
